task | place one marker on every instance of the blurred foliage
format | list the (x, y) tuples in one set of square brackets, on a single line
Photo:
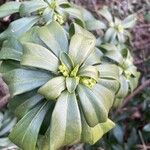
[(7, 122)]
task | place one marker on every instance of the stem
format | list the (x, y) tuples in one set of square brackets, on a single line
[(142, 140)]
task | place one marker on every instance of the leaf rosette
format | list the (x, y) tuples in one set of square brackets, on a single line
[(128, 74), (59, 88), (117, 29)]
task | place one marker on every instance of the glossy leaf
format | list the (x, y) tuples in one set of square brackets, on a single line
[(54, 37), (89, 71), (110, 35), (74, 12), (80, 48), (28, 7), (130, 21), (25, 106), (37, 56), (19, 99), (147, 128), (67, 61), (76, 29), (106, 14), (53, 88), (105, 95), (31, 36), (71, 83), (18, 27), (9, 8), (66, 122), (92, 135), (112, 52), (94, 58), (24, 80), (26, 131), (123, 91), (8, 65), (108, 71), (112, 85), (93, 109), (95, 25), (8, 53)]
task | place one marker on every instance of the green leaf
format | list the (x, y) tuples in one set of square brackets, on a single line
[(65, 124), (19, 99), (108, 71), (53, 88), (89, 71), (5, 142), (71, 83), (80, 48), (147, 128), (74, 12), (118, 134), (105, 95), (8, 65), (133, 81), (87, 15), (110, 84), (28, 7), (9, 8), (60, 2), (112, 52), (23, 80), (106, 14), (9, 53), (7, 125), (147, 17), (76, 29), (31, 36), (18, 27), (35, 55), (110, 35), (11, 50), (93, 109), (66, 60), (121, 37), (95, 25), (48, 15), (94, 58), (123, 91), (130, 21), (26, 131), (14, 43), (23, 108), (54, 37), (92, 135)]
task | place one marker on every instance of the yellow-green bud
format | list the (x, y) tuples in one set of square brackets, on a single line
[(63, 70), (53, 4), (120, 28), (89, 82), (127, 74), (58, 18), (74, 71)]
